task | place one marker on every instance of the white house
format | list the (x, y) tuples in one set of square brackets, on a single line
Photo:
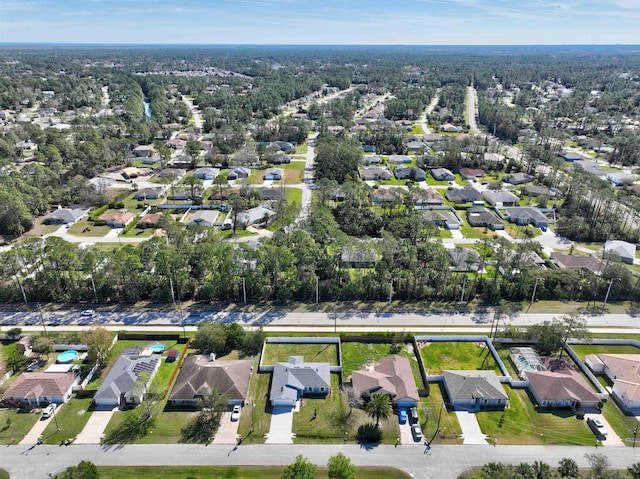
[(40, 389)]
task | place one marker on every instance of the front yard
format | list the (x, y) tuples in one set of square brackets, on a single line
[(313, 353), (14, 425), (72, 418), (439, 356)]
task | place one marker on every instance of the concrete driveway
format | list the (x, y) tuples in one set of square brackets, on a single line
[(612, 439), (281, 426), (38, 428), (471, 432), (227, 431), (405, 434), (94, 429)]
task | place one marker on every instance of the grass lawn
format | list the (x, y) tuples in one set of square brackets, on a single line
[(21, 424), (258, 392), (72, 418), (460, 180), (520, 423), (416, 129), (622, 424), (4, 474), (429, 409), (469, 231), (463, 356), (229, 472), (431, 181), (293, 195), (84, 228), (301, 149), (520, 232), (582, 350), (445, 233), (140, 233), (313, 353)]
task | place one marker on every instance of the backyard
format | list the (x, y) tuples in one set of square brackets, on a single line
[(438, 356), (313, 353)]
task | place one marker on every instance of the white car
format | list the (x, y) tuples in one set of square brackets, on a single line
[(235, 414), (48, 411), (597, 426), (88, 312)]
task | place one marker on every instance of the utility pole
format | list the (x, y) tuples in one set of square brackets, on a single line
[(606, 296), (533, 296), (244, 291), (390, 291), (93, 285), (464, 284), (44, 327), (253, 415), (317, 290)]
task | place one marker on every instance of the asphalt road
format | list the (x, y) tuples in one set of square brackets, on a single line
[(442, 462)]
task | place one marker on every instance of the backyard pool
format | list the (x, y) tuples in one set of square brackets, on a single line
[(67, 356), (156, 348)]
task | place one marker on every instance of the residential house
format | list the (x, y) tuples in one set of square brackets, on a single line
[(143, 151), (270, 193), (238, 172), (526, 215), (284, 145), (176, 143), (152, 160), (26, 145), (148, 194), (117, 219), (432, 137), (472, 174), (577, 261), (518, 178), (130, 172), (500, 198), (536, 191), (392, 376), (360, 255), (493, 157), (466, 194), (485, 218), (449, 128), (296, 378), (372, 160), (399, 159), (442, 174), (570, 156), (172, 173), (623, 370), (474, 389), (222, 194), (63, 216), (149, 221), (279, 159), (445, 217), (252, 216), (203, 218), (386, 196), (374, 173), (273, 174), (200, 375), (40, 389), (422, 197), (410, 173), (626, 251), (621, 179), (465, 259), (116, 388), (564, 388), (416, 146), (206, 173)]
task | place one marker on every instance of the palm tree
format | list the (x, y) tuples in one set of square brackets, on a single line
[(379, 407)]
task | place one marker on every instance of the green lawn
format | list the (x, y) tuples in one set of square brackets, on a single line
[(429, 409), (229, 472), (622, 424), (140, 233), (85, 228), (15, 425), (4, 474), (258, 392), (460, 180), (582, 350), (473, 232), (433, 182), (293, 195), (313, 353), (445, 233), (72, 418), (462, 356), (520, 423), (301, 149), (416, 129)]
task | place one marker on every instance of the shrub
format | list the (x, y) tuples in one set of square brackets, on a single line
[(97, 212)]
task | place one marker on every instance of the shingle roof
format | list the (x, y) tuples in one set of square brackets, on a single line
[(37, 385), (124, 374), (554, 386), (626, 369), (473, 384), (577, 261), (392, 375), (296, 375), (198, 375)]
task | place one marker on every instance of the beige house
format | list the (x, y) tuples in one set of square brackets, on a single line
[(393, 376)]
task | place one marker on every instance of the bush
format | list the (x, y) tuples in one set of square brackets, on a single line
[(130, 226), (369, 433), (580, 415), (97, 212)]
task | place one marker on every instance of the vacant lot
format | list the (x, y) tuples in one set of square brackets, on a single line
[(229, 472), (439, 356), (313, 353), (522, 424)]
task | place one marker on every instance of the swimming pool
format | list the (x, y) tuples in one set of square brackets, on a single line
[(156, 348), (67, 356)]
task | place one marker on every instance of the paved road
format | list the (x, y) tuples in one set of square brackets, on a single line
[(427, 112), (472, 109), (442, 462)]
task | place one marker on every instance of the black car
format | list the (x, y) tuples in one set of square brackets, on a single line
[(413, 415)]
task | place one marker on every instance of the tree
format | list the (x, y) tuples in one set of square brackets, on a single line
[(354, 398), (16, 361), (599, 465), (195, 189), (553, 335), (340, 467), (42, 345), (84, 470), (99, 341), (204, 426), (252, 341), (379, 407), (210, 338), (634, 470), (301, 469), (147, 392), (568, 468), (234, 335)]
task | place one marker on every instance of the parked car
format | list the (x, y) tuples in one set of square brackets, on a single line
[(235, 414), (402, 416), (48, 411), (33, 365), (413, 415), (597, 427), (416, 432), (87, 312)]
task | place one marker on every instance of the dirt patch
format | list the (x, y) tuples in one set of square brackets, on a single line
[(423, 344)]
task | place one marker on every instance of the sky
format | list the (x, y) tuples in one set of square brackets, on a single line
[(389, 22)]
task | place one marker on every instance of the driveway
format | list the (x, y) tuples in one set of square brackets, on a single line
[(456, 234), (281, 426), (612, 439), (227, 431), (38, 428), (405, 434), (471, 432), (94, 429)]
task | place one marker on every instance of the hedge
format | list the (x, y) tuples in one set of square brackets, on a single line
[(97, 212)]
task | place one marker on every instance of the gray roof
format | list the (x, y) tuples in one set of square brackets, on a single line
[(255, 215), (465, 259), (525, 213), (463, 195), (296, 375), (203, 218), (533, 190), (200, 375), (399, 159), (623, 248), (518, 178), (206, 171), (403, 172), (64, 215), (441, 173), (495, 197), (124, 374), (482, 217), (374, 173), (473, 384)]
